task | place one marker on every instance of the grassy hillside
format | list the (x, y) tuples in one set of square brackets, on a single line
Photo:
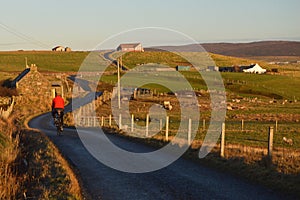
[(132, 59), (45, 60), (263, 48), (273, 86), (287, 69), (221, 60)]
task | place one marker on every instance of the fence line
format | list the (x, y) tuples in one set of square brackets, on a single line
[(165, 128), (85, 121)]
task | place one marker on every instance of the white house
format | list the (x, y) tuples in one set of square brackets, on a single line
[(130, 47), (256, 69), (58, 48)]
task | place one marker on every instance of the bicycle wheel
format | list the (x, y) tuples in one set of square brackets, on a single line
[(58, 131)]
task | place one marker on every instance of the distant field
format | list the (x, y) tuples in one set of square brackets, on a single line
[(271, 86), (5, 76), (292, 68), (132, 59), (275, 58), (286, 69), (45, 60), (266, 85)]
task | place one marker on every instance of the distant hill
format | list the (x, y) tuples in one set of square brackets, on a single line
[(263, 48)]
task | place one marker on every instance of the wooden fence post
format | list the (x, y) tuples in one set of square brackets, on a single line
[(189, 131), (242, 125), (160, 124), (78, 117), (132, 122), (95, 119), (80, 111), (270, 144), (120, 121), (147, 125), (222, 140), (102, 121), (109, 121), (167, 128)]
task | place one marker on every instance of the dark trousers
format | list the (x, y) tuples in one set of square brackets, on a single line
[(55, 110)]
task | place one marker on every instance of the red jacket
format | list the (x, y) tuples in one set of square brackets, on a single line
[(58, 102)]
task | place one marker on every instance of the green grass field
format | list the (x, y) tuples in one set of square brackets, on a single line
[(272, 86), (5, 75), (45, 60), (130, 60)]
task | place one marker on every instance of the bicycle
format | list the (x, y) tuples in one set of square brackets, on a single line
[(58, 122)]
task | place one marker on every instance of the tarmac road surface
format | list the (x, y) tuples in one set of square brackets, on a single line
[(182, 179)]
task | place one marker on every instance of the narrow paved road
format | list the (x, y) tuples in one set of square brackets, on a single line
[(108, 57), (181, 180)]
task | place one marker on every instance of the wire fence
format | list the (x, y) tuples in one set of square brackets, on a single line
[(249, 140), (254, 133)]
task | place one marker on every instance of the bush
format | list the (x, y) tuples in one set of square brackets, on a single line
[(5, 91)]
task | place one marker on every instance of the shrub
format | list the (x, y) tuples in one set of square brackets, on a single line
[(5, 91)]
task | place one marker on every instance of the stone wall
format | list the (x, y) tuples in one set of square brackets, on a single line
[(35, 97)]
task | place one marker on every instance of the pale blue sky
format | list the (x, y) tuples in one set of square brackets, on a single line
[(82, 25)]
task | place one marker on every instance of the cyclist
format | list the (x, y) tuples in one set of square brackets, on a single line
[(58, 103)]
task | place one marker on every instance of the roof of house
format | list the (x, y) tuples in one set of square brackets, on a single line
[(131, 45), (59, 47), (19, 77)]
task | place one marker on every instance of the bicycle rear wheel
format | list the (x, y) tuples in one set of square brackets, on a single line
[(58, 131), (59, 127)]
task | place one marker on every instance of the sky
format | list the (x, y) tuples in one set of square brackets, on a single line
[(82, 25)]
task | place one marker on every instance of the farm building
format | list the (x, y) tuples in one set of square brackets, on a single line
[(256, 69), (212, 68), (226, 69), (183, 68), (58, 48), (68, 49), (61, 48), (137, 47)]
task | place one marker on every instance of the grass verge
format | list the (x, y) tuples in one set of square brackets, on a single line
[(48, 175), (31, 167), (10, 182)]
